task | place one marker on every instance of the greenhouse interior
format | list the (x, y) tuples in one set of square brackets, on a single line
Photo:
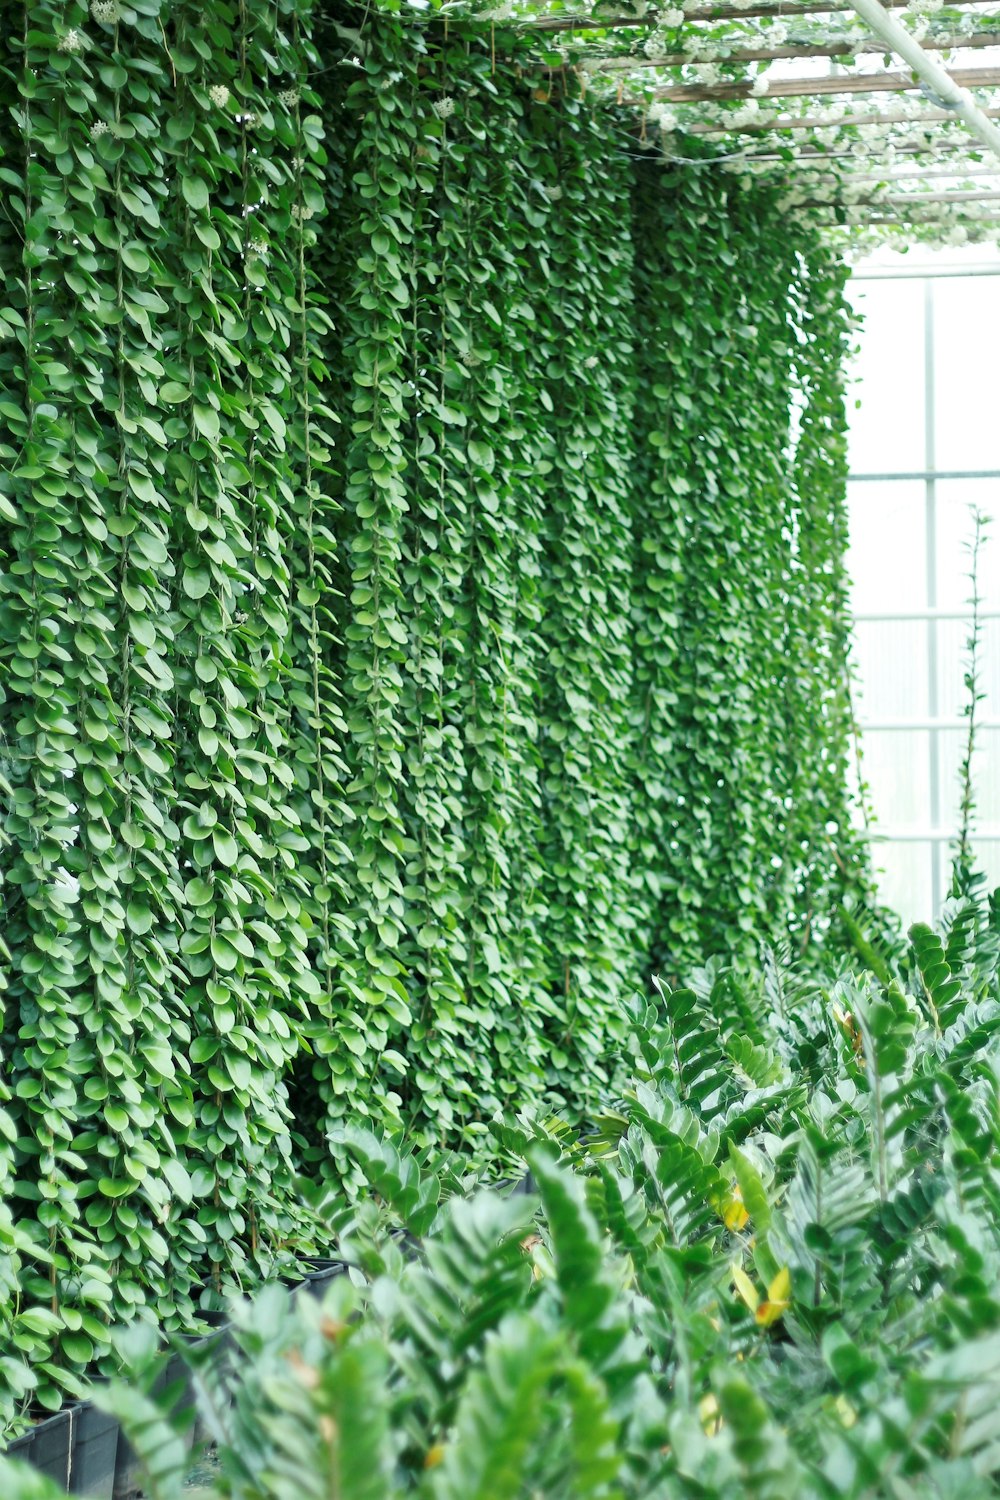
[(499, 750)]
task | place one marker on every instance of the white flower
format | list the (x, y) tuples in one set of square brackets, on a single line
[(258, 248), (298, 162), (746, 113), (444, 107), (778, 33), (219, 95), (671, 17), (105, 10), (760, 86), (249, 119), (591, 362), (301, 212), (288, 97), (73, 41), (99, 128), (958, 235), (553, 194)]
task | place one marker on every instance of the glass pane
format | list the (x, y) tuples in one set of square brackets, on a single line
[(951, 750), (987, 856), (896, 768), (887, 558), (955, 501), (890, 657), (887, 430), (905, 878), (966, 323), (953, 660)]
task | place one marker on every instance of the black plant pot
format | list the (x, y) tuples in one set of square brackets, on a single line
[(128, 1474), (95, 1452), (317, 1275), (128, 1471), (20, 1447), (50, 1450)]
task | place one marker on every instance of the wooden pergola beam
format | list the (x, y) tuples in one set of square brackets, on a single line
[(800, 88), (903, 200), (919, 174), (874, 117), (823, 153), (765, 10), (865, 47)]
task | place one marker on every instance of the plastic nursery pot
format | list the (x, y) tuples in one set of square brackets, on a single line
[(317, 1275), (95, 1453), (48, 1447), (214, 1349), (128, 1471)]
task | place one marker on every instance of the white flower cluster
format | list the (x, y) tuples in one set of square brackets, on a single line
[(925, 7), (553, 194), (258, 248), (288, 97), (444, 107), (105, 10), (760, 86), (709, 73), (778, 33), (745, 114), (219, 95), (301, 213), (99, 128), (661, 114), (502, 12), (249, 120), (655, 44), (73, 40), (671, 18), (591, 362)]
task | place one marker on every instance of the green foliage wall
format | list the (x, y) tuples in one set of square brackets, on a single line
[(417, 613)]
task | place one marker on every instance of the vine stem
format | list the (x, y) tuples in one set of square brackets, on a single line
[(967, 804)]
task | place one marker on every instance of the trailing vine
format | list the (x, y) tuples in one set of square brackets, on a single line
[(419, 615)]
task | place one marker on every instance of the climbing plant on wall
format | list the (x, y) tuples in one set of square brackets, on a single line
[(419, 613)]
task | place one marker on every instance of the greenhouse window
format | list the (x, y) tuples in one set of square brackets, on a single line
[(925, 455)]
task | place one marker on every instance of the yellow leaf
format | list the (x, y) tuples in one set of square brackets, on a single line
[(779, 1294), (780, 1289), (711, 1417), (746, 1288), (734, 1214)]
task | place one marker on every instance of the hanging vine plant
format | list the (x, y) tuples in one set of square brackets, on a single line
[(418, 615)]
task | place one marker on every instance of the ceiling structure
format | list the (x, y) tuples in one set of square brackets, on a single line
[(882, 116)]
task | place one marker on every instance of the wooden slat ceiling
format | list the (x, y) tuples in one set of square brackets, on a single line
[(801, 91)]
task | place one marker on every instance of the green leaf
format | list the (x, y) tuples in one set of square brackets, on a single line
[(195, 191)]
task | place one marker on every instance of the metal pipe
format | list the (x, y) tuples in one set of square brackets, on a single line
[(929, 70)]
